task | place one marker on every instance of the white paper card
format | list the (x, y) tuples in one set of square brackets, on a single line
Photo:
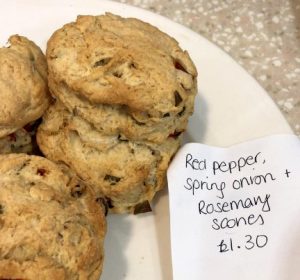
[(235, 212)]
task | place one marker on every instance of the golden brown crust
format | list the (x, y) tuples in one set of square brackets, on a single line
[(116, 61), (127, 172), (51, 226), (23, 84), (125, 91)]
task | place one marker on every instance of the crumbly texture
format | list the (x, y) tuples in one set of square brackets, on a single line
[(51, 227), (115, 119), (127, 173), (125, 91), (17, 142), (23, 84), (123, 65)]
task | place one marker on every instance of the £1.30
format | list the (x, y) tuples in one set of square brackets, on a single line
[(249, 242)]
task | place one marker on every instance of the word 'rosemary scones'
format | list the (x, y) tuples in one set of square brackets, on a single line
[(107, 66), (50, 225), (127, 173), (23, 84)]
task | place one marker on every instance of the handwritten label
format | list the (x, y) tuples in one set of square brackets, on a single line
[(235, 212)]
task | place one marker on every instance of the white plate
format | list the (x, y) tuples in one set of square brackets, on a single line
[(230, 108)]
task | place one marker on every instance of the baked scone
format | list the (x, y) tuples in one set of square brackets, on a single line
[(23, 84), (125, 69), (128, 173), (51, 227)]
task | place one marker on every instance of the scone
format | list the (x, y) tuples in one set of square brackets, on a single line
[(122, 75), (125, 91), (51, 227), (128, 173), (23, 84)]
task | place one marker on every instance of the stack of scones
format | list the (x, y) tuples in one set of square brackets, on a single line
[(124, 92)]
